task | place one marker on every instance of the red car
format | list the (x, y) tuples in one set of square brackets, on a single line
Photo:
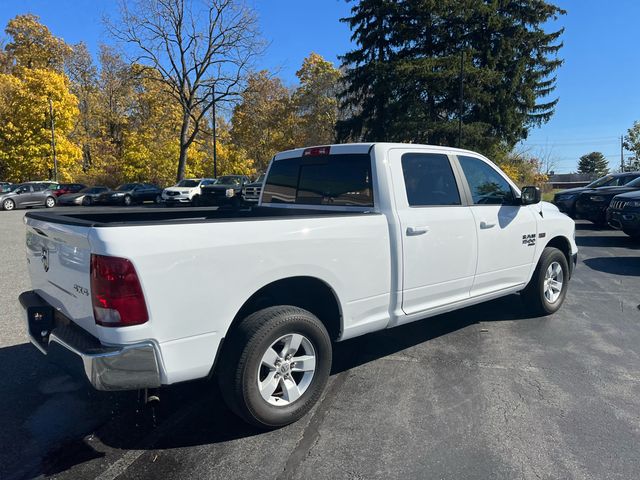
[(64, 188)]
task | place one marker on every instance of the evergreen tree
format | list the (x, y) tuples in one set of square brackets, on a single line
[(593, 162), (369, 82), (408, 62)]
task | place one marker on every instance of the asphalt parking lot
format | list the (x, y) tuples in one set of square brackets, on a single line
[(486, 392)]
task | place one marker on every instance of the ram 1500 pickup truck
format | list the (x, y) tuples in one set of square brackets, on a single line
[(346, 240)]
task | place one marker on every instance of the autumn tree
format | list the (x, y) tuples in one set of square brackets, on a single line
[(316, 101), (25, 138), (632, 143), (196, 50), (264, 122), (32, 45), (35, 92)]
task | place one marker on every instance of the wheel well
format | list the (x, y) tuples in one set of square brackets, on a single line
[(562, 244), (309, 293)]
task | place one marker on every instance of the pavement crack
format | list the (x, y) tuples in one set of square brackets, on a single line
[(311, 433)]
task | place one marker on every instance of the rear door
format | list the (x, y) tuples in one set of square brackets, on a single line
[(439, 246), (507, 232)]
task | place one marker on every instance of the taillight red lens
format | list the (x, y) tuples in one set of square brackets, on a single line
[(116, 293)]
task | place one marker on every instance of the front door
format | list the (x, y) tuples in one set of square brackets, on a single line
[(507, 232), (437, 229)]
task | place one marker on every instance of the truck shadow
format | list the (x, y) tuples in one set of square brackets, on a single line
[(62, 425), (628, 266)]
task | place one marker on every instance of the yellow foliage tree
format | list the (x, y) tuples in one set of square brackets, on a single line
[(316, 100), (25, 121), (264, 122)]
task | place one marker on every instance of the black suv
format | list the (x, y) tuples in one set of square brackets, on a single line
[(624, 213), (566, 199), (592, 204)]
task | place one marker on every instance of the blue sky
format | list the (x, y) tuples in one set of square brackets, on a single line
[(597, 85)]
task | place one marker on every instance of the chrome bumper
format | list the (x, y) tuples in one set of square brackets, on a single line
[(107, 368)]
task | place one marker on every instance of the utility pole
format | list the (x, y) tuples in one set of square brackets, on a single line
[(621, 154), (461, 98), (53, 141), (213, 114)]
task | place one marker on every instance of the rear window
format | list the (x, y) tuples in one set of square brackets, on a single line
[(340, 180)]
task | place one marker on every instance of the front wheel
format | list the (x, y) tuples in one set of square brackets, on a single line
[(86, 201), (50, 202), (547, 289), (276, 366), (127, 200), (8, 204)]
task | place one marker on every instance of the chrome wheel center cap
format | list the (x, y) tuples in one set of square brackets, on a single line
[(285, 368)]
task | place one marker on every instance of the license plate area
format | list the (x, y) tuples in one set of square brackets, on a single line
[(41, 320)]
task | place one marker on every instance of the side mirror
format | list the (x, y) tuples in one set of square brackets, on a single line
[(530, 195)]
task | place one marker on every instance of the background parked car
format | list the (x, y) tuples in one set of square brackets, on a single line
[(566, 199), (86, 196), (251, 191), (624, 213), (226, 191), (186, 191), (130, 194), (5, 187), (64, 188), (28, 195), (592, 204)]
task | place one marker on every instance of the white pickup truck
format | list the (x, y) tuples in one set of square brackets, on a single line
[(346, 240)]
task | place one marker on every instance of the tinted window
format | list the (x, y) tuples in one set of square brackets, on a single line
[(342, 180), (487, 186), (429, 180)]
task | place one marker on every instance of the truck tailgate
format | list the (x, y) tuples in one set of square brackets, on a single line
[(58, 258)]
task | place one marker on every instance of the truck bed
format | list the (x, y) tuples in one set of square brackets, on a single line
[(119, 217)]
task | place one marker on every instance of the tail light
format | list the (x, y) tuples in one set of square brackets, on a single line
[(116, 293), (316, 151)]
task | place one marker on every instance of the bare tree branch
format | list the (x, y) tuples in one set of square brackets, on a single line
[(202, 50)]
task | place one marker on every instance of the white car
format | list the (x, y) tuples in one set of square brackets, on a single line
[(186, 191), (346, 240)]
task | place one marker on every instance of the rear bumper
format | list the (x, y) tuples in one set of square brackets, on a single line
[(107, 368)]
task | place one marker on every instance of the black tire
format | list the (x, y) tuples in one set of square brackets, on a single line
[(195, 201), (127, 200), (240, 365), (50, 202), (534, 293), (87, 201), (157, 200)]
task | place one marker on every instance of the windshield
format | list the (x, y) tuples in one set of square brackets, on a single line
[(634, 183), (187, 183), (91, 190), (602, 182), (229, 180), (126, 186)]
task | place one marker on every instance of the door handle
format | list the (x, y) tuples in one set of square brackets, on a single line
[(413, 231), (484, 225)]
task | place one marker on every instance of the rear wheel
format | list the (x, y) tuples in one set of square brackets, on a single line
[(127, 200), (8, 204), (50, 202), (158, 200), (276, 366), (547, 289)]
